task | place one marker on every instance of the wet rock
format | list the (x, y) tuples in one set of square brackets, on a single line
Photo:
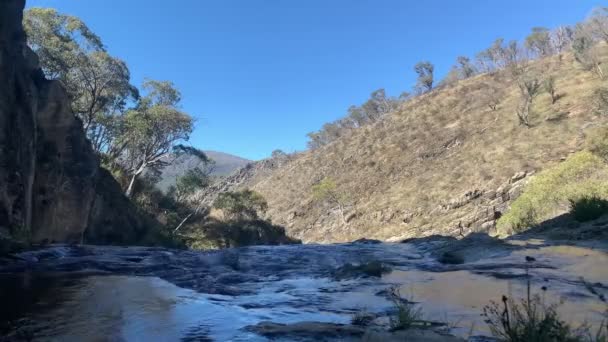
[(410, 335), (367, 241), (430, 239), (367, 269), (451, 258), (473, 247), (309, 330)]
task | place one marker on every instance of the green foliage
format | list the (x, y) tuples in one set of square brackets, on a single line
[(539, 42), (58, 40), (324, 190), (550, 192), (241, 205), (180, 150), (597, 142), (153, 129), (218, 234), (588, 208), (193, 180), (407, 313), (378, 105), (97, 83), (529, 321)]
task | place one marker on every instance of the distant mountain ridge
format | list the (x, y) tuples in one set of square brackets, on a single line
[(225, 164)]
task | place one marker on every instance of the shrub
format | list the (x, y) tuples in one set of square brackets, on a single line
[(241, 205), (217, 234), (599, 100), (550, 192), (597, 142), (528, 321), (588, 208)]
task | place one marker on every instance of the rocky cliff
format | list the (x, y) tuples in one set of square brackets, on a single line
[(51, 185)]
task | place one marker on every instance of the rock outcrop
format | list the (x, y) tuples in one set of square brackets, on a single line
[(51, 185)]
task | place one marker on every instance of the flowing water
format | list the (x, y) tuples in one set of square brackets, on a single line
[(91, 293)]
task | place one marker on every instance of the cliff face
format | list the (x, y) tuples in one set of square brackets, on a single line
[(51, 185)]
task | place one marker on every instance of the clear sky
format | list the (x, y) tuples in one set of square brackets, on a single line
[(260, 74)]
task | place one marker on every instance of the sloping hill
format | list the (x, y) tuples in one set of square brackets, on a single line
[(224, 164), (444, 162)]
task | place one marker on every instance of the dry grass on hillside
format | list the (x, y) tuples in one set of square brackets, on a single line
[(398, 172)]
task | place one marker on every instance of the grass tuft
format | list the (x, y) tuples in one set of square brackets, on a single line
[(407, 313)]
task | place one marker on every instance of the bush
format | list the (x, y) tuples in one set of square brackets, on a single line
[(528, 321), (218, 234), (588, 208), (599, 100), (550, 192), (597, 142), (241, 205)]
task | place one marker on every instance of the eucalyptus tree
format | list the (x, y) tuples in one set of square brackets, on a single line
[(465, 67), (96, 83), (425, 72), (586, 50), (152, 130), (539, 42)]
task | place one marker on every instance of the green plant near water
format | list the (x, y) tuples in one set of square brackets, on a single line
[(362, 318), (532, 320), (582, 175), (407, 313)]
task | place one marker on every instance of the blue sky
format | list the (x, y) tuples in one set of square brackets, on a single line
[(260, 74)]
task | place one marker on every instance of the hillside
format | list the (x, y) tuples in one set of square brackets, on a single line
[(444, 162), (224, 164)]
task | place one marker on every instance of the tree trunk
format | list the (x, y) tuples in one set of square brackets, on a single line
[(342, 215), (129, 191), (599, 71), (182, 223)]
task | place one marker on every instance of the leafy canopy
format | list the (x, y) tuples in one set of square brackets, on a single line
[(241, 205)]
